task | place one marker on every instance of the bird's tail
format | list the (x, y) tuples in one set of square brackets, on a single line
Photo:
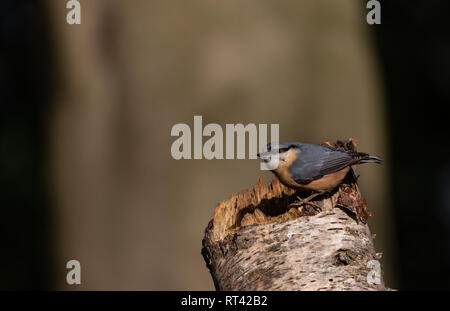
[(365, 158)]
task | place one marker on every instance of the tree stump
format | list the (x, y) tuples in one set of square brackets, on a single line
[(256, 242)]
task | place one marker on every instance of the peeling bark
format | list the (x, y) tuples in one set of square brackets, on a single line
[(256, 242)]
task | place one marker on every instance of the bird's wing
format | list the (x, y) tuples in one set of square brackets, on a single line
[(314, 161)]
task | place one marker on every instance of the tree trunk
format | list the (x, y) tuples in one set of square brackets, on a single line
[(256, 242)]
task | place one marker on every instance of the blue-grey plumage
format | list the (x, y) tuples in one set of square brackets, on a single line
[(312, 167)]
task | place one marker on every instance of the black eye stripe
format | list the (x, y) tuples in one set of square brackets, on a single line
[(275, 149)]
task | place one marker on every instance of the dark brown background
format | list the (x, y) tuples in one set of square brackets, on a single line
[(86, 113)]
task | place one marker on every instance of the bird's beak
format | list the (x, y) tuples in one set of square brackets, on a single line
[(264, 155)]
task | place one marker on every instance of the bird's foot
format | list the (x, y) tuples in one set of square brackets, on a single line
[(301, 203)]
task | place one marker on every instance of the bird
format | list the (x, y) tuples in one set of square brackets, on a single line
[(314, 168)]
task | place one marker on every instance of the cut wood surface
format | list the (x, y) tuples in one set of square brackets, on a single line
[(256, 242)]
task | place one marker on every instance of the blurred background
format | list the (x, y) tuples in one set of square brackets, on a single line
[(86, 112)]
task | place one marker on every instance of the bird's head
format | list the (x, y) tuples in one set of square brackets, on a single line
[(276, 154)]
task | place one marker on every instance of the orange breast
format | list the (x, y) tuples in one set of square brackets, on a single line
[(324, 184), (282, 171), (328, 182)]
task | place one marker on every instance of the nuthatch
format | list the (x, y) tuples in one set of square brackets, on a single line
[(309, 167)]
